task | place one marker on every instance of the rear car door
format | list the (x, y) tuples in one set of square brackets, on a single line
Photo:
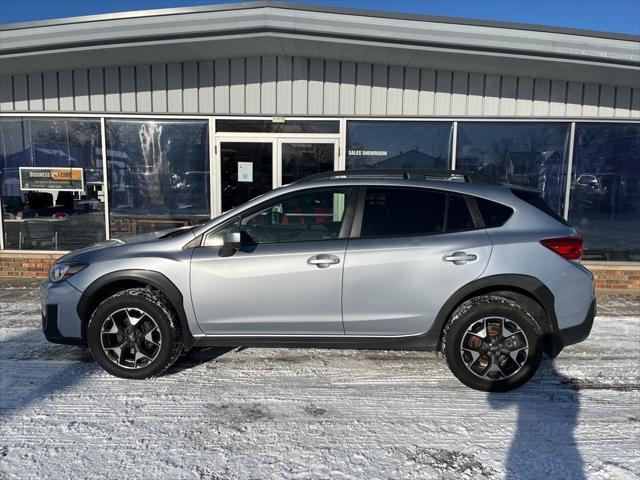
[(286, 279), (412, 249)]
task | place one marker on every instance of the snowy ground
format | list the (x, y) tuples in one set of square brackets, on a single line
[(295, 413)]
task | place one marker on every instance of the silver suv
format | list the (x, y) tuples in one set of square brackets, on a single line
[(487, 274)]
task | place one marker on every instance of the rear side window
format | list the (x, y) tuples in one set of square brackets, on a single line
[(458, 214), (392, 212), (534, 199), (493, 214)]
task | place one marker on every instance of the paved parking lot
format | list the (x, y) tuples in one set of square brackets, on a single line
[(297, 413)]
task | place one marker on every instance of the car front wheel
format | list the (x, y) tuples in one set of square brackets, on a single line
[(134, 334), (492, 343)]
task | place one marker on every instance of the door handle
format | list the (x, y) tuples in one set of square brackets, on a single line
[(323, 260), (460, 258)]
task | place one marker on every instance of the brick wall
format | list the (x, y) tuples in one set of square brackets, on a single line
[(617, 277), (27, 265), (36, 265)]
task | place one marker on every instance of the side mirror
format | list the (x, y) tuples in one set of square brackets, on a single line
[(232, 239)]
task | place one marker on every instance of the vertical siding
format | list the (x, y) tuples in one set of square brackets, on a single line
[(96, 90), (410, 91), (363, 89), (287, 85), (81, 90), (144, 95), (237, 85), (6, 93), (128, 89), (65, 90), (174, 87), (427, 95), (299, 92), (112, 89), (35, 92), (283, 88), (443, 93), (252, 88), (221, 89), (51, 96), (205, 87), (348, 88), (268, 86)]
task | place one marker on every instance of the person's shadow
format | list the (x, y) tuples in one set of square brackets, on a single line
[(543, 445)]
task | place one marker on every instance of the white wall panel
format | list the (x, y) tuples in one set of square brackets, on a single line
[(287, 85)]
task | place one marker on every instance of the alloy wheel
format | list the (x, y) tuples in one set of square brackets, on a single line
[(494, 348), (130, 338)]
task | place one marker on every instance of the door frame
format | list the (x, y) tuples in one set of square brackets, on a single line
[(276, 140)]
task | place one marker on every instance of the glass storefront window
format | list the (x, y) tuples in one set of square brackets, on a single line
[(605, 190), (531, 155), (158, 174), (51, 172), (399, 144), (300, 160)]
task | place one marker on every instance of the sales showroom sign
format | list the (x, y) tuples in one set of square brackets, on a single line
[(51, 178)]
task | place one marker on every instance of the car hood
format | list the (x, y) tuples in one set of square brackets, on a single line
[(115, 247)]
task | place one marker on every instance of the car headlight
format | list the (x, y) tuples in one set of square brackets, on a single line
[(62, 271)]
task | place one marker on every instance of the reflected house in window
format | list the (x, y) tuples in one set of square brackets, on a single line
[(407, 144), (410, 159)]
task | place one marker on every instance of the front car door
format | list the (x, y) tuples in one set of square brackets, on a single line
[(286, 279), (414, 248)]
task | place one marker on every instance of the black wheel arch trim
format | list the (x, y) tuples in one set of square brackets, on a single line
[(504, 282), (147, 277)]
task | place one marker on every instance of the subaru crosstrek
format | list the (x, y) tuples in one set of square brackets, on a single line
[(488, 274)]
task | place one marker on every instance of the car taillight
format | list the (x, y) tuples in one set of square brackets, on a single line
[(570, 248)]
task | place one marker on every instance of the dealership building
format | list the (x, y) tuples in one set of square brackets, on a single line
[(118, 124)]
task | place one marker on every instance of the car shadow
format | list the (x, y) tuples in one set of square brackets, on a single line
[(196, 357), (544, 445)]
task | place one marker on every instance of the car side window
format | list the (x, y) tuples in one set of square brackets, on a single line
[(459, 216), (308, 216), (391, 212)]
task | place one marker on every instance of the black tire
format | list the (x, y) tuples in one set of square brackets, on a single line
[(472, 314), (156, 306)]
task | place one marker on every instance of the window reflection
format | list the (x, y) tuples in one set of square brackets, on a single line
[(532, 155), (51, 171), (158, 174), (399, 144), (605, 190)]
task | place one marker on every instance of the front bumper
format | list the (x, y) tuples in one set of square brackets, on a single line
[(60, 320)]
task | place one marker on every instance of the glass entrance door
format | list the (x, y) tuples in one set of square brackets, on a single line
[(246, 171), (251, 167)]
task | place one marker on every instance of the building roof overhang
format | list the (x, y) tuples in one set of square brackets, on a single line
[(274, 28)]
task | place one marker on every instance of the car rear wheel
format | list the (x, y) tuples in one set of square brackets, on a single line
[(134, 334), (492, 343)]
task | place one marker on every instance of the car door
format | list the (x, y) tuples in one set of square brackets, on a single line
[(414, 248), (286, 278)]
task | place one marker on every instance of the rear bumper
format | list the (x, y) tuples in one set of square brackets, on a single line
[(60, 321), (578, 333), (575, 334)]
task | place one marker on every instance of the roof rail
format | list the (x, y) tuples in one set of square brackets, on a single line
[(413, 174)]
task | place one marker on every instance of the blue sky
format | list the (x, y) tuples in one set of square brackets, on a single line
[(621, 16)]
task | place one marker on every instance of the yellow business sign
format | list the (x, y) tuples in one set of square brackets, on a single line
[(51, 178)]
